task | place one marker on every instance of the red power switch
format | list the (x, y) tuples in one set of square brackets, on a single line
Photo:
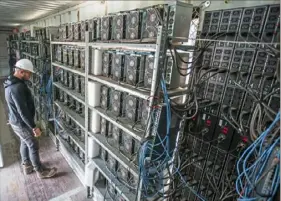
[(208, 122), (224, 130), (244, 138)]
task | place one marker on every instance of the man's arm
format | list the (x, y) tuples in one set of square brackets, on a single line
[(19, 97)]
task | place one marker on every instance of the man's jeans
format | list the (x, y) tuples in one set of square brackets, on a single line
[(29, 147)]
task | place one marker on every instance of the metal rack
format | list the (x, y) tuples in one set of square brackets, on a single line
[(93, 74), (74, 161), (99, 140)]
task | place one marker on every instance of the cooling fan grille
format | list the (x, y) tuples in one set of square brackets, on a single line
[(105, 28), (111, 190), (131, 108), (103, 127), (76, 55), (104, 97), (82, 58), (111, 162), (152, 17), (106, 60), (117, 64), (118, 21), (116, 99), (132, 69), (133, 25), (103, 154), (127, 144), (149, 66), (122, 173), (145, 110), (116, 135)]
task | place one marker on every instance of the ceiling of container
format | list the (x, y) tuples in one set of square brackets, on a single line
[(18, 12)]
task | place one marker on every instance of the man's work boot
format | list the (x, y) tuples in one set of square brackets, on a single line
[(46, 173), (27, 168)]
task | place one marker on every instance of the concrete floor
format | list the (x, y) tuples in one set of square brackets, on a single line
[(14, 186)]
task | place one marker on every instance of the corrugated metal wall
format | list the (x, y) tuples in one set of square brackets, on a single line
[(4, 62), (92, 9), (89, 10)]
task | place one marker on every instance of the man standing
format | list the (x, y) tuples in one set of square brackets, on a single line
[(21, 117)]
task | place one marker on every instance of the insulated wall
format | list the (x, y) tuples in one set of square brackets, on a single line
[(4, 63), (89, 10)]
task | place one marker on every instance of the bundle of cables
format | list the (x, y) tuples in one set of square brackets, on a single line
[(158, 168), (259, 168), (152, 170)]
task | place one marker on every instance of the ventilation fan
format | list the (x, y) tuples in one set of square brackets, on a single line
[(117, 67), (91, 28), (65, 78), (134, 70), (103, 154), (66, 99), (132, 104), (152, 19), (133, 27), (106, 64), (61, 95), (64, 31), (127, 144), (111, 163), (82, 59), (82, 86), (67, 120), (116, 103), (105, 28), (70, 56), (118, 27), (122, 173), (145, 110), (111, 190), (76, 58), (71, 80), (116, 135), (76, 81), (149, 65), (72, 103), (70, 32), (78, 131), (133, 180), (79, 107), (104, 102), (84, 28), (65, 55), (103, 126), (77, 31), (94, 28)]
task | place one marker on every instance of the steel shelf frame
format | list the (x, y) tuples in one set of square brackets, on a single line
[(73, 160), (80, 121), (121, 188), (69, 68), (73, 137), (80, 44), (70, 92), (157, 50), (101, 140)]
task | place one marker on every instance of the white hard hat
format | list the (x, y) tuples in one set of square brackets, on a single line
[(25, 64)]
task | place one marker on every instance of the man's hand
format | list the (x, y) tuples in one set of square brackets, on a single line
[(36, 132)]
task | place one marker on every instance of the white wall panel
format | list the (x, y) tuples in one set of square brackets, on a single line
[(4, 61), (74, 15), (116, 6), (90, 9)]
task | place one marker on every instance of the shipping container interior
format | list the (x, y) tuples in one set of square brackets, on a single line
[(160, 100)]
